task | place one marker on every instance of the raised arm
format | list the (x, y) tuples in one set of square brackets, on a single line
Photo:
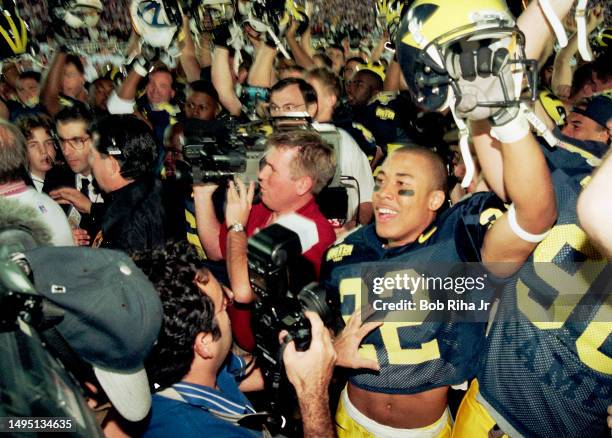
[(261, 71), (301, 56), (524, 178), (205, 52), (535, 26), (393, 77), (222, 80), (528, 185), (188, 58), (239, 201), (595, 207), (52, 84), (380, 47), (207, 225), (561, 81)]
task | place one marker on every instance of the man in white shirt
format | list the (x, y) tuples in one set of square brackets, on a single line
[(13, 158)]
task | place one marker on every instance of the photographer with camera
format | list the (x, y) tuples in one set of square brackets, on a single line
[(297, 165), (201, 382)]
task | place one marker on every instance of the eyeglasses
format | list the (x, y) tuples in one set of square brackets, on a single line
[(287, 108), (76, 143)]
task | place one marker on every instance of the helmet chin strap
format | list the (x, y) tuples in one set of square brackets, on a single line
[(278, 43), (580, 16), (554, 21), (464, 145), (237, 43), (583, 37), (539, 126)]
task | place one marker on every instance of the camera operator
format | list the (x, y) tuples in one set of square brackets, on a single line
[(199, 377), (292, 94), (297, 165)]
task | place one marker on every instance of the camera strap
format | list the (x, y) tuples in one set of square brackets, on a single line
[(59, 347)]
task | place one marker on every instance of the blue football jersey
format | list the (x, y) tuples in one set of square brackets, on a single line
[(547, 365), (415, 356), (385, 118)]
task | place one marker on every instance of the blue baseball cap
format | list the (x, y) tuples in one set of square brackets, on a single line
[(597, 108)]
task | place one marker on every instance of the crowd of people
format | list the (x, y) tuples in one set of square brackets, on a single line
[(395, 150), (114, 21)]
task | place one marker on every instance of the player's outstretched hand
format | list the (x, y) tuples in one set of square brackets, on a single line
[(348, 341)]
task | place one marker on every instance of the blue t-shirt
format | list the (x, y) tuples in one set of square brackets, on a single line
[(192, 418)]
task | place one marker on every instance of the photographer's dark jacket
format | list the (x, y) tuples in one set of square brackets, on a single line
[(134, 218)]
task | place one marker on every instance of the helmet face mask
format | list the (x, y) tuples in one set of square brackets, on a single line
[(155, 21), (268, 13), (494, 36), (207, 15), (79, 14), (431, 37)]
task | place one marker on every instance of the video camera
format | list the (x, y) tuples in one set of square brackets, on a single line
[(282, 281), (333, 199), (213, 151)]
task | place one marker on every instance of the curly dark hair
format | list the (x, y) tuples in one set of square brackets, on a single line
[(28, 122), (187, 311)]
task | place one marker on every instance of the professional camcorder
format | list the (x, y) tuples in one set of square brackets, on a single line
[(213, 152), (216, 151)]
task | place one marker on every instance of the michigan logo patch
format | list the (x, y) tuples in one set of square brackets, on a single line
[(337, 253), (385, 113)]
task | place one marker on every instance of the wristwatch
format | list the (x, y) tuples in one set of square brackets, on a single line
[(237, 227)]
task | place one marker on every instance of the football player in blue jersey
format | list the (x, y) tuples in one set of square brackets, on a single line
[(546, 366), (413, 363), (546, 369)]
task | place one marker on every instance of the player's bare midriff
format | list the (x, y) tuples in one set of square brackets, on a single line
[(402, 411)]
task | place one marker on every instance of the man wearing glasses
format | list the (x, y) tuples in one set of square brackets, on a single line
[(74, 185)]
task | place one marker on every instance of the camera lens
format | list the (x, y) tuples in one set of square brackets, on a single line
[(314, 298)]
